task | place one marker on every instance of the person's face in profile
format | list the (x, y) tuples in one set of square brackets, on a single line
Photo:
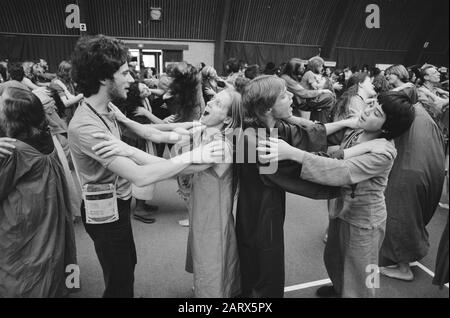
[(282, 108), (432, 75), (119, 86)]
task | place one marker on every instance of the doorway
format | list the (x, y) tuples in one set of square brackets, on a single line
[(147, 58)]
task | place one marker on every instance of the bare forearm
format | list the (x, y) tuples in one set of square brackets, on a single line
[(154, 119), (296, 154), (157, 91), (169, 127), (336, 126), (72, 100), (146, 131), (150, 173), (143, 158), (160, 171)]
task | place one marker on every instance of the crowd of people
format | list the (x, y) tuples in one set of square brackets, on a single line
[(82, 143)]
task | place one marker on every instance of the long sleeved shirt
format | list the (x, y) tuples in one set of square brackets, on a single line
[(363, 180)]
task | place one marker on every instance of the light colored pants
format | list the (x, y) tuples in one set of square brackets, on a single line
[(349, 252)]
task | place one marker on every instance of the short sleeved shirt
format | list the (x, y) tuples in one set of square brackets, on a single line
[(91, 168)]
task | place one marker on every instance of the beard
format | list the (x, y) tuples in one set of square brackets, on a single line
[(115, 94)]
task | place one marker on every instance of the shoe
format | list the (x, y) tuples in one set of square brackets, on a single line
[(326, 292), (147, 220), (184, 222)]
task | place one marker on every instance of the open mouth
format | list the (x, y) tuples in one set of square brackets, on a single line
[(206, 113)]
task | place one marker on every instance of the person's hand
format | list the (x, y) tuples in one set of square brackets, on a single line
[(118, 115), (209, 91), (337, 86), (111, 146), (5, 145), (383, 147), (141, 111), (214, 152), (352, 122), (170, 119), (182, 131), (273, 150), (181, 136)]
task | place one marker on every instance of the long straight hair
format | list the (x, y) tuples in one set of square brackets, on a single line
[(341, 109), (292, 69)]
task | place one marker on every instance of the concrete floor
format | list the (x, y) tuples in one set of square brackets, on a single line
[(161, 251)]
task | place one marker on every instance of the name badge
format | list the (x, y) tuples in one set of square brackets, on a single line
[(100, 202)]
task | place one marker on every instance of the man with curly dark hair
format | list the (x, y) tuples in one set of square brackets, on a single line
[(100, 68)]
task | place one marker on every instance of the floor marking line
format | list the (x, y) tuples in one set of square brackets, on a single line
[(328, 281), (307, 285), (425, 269)]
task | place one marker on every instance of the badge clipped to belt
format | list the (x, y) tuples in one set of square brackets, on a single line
[(100, 202)]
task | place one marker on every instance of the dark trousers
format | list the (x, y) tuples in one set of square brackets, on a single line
[(114, 245), (260, 239)]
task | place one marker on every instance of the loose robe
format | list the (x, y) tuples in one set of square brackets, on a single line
[(261, 209), (413, 191), (37, 239)]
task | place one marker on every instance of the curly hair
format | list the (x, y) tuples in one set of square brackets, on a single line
[(16, 71), (315, 63), (184, 89), (95, 59)]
